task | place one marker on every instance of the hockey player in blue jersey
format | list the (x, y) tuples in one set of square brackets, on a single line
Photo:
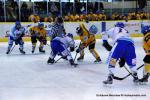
[(123, 50), (16, 34), (59, 46)]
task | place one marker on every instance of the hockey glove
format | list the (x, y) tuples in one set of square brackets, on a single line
[(44, 41), (82, 46), (121, 62), (106, 45), (78, 50), (71, 49)]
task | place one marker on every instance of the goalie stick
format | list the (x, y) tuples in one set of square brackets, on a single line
[(119, 78)]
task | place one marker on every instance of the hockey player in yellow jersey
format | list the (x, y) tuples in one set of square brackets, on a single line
[(38, 33), (146, 47), (87, 40)]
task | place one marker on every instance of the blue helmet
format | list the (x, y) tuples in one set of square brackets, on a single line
[(17, 24), (70, 35), (40, 24), (145, 29), (120, 24), (93, 29)]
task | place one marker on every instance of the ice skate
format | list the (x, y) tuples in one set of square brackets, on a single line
[(50, 61), (80, 58), (98, 60), (41, 50), (33, 49), (144, 79), (8, 51), (72, 63), (135, 78), (21, 51), (109, 79)]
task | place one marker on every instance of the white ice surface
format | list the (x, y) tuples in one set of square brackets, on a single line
[(28, 77)]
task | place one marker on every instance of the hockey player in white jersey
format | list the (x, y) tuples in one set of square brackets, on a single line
[(59, 46), (16, 34), (123, 50)]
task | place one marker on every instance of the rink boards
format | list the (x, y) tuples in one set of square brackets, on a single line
[(134, 27)]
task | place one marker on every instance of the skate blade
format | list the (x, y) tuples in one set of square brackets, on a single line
[(142, 83), (100, 62), (80, 60), (107, 83)]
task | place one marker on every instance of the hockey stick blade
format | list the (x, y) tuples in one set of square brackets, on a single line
[(119, 78)]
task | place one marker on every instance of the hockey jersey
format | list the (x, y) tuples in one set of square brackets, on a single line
[(56, 30), (65, 40), (16, 33), (146, 43), (38, 31), (86, 38), (116, 33)]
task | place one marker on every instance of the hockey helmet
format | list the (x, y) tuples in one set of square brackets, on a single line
[(145, 29), (59, 20), (17, 24), (120, 24), (40, 24), (93, 29)]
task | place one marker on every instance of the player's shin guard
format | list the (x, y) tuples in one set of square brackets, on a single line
[(110, 76), (147, 68), (146, 73), (41, 49), (95, 54), (81, 55), (134, 74), (33, 47), (21, 49), (8, 49)]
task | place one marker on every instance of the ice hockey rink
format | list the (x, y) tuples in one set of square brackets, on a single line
[(29, 77)]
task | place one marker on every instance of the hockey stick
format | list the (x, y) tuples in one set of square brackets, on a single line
[(119, 78), (48, 44), (58, 60), (75, 57), (76, 53), (12, 49)]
